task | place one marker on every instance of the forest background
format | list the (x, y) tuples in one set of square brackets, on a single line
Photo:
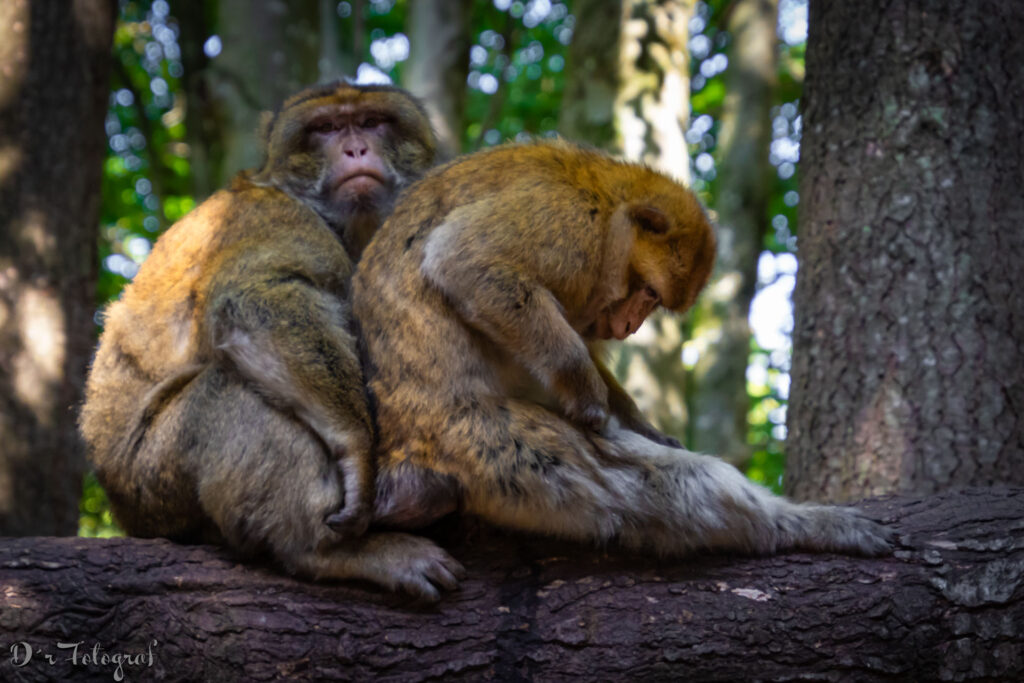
[(707, 91)]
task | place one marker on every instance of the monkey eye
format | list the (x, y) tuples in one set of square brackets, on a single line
[(371, 122), (325, 126), (651, 292)]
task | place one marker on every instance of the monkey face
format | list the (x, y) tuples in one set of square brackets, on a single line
[(351, 142), (674, 250), (347, 150), (624, 317)]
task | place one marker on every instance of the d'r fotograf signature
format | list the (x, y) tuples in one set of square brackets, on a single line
[(78, 654)]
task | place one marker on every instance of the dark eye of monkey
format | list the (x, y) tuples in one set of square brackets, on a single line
[(325, 126)]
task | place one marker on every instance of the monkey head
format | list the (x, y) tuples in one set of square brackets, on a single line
[(670, 259), (345, 151)]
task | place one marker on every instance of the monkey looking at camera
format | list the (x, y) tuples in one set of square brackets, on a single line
[(481, 293), (225, 402)]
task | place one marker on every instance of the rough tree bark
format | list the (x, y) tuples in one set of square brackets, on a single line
[(54, 69), (949, 605), (909, 334)]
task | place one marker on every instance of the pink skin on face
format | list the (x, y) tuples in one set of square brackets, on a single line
[(623, 318), (351, 142)]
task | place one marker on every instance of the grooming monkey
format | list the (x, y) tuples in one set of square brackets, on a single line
[(481, 292), (226, 402)]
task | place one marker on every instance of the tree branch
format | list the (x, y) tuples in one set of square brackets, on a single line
[(948, 605)]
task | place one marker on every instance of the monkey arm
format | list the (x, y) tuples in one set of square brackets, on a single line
[(622, 406), (288, 337), (518, 315)]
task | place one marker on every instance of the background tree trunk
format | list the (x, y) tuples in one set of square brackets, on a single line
[(54, 70), (907, 371), (440, 38), (716, 394), (948, 606), (270, 51), (204, 120), (592, 76), (652, 109)]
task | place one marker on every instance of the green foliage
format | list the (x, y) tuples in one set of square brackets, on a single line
[(516, 74), (146, 172), (94, 518), (766, 419)]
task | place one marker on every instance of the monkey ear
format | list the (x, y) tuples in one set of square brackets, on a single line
[(650, 219)]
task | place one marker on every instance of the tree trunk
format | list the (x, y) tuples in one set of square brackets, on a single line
[(592, 77), (907, 371), (270, 51), (717, 392), (54, 70), (652, 108), (203, 118), (439, 36), (948, 606)]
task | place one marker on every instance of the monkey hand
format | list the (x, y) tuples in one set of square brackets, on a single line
[(407, 563), (351, 521), (590, 415), (583, 396)]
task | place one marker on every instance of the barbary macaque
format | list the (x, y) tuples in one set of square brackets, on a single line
[(477, 300), (226, 400)]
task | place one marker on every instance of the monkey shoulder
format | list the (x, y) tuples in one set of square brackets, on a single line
[(262, 229)]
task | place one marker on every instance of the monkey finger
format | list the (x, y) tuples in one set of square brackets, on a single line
[(592, 417), (454, 566), (847, 530), (442, 578), (349, 523), (419, 589)]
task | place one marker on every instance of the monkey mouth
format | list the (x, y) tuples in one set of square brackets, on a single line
[(361, 181)]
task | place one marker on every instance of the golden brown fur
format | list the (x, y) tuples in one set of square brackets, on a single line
[(477, 300), (226, 402)]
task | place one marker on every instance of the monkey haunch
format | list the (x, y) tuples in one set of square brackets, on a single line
[(478, 296), (226, 400)]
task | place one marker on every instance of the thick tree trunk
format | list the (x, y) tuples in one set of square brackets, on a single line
[(949, 605), (907, 372), (54, 70)]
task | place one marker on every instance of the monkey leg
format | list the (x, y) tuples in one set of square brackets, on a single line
[(691, 501), (518, 465), (265, 482), (289, 340)]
